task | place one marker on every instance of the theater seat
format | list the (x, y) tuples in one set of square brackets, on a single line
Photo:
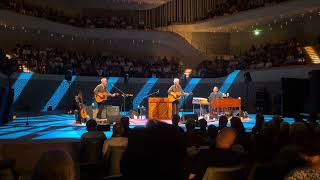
[(261, 172), (91, 158), (113, 160), (225, 173)]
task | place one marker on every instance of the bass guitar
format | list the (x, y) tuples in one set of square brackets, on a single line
[(82, 112)]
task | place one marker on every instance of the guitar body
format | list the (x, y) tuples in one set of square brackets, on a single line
[(100, 97), (173, 96)]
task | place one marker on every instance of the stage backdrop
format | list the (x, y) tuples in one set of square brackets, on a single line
[(39, 92)]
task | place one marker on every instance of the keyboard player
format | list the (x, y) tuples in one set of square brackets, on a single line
[(215, 94)]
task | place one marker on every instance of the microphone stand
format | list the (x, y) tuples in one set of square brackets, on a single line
[(123, 108), (148, 95)]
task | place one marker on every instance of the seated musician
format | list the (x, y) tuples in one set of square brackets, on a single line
[(173, 91), (101, 88), (215, 94)]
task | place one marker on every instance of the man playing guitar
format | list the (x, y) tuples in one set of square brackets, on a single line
[(175, 92), (101, 94)]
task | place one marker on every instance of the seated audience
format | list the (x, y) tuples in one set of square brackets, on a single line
[(175, 122), (312, 121), (264, 144), (125, 122), (212, 134), (203, 127), (289, 156), (158, 150), (259, 124), (242, 137), (53, 165), (221, 155), (282, 53), (223, 121), (117, 139), (191, 137), (310, 152), (93, 133)]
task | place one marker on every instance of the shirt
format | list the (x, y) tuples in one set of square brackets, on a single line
[(114, 141), (214, 96), (175, 88), (100, 89)]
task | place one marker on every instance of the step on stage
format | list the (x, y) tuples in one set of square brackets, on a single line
[(62, 127)]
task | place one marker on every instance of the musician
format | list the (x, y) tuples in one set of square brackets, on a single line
[(101, 88), (215, 94), (175, 88)]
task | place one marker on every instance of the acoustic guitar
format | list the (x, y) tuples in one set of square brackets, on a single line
[(102, 96), (173, 96)]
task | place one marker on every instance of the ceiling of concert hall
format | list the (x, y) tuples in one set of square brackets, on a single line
[(144, 4)]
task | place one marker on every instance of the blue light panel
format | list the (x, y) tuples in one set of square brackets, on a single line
[(189, 88), (20, 84), (143, 92), (58, 94), (229, 81), (112, 81)]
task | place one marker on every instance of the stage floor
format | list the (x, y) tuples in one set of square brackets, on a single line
[(62, 127)]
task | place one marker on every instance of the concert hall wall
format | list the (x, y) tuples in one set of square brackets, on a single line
[(40, 88)]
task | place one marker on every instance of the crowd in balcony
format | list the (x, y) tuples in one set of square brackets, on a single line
[(105, 21), (58, 61), (226, 7), (263, 56), (229, 7)]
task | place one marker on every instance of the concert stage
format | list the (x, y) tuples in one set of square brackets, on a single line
[(62, 128)]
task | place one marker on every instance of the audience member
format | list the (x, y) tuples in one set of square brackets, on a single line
[(125, 122), (117, 139), (310, 152), (93, 133), (220, 155), (259, 124), (148, 148), (191, 137), (223, 121), (176, 121), (53, 165)]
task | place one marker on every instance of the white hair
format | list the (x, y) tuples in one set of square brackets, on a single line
[(103, 79), (176, 79)]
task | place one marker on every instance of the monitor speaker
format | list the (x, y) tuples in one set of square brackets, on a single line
[(190, 116), (103, 127)]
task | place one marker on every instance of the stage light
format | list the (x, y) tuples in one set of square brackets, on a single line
[(8, 56), (257, 32), (188, 72)]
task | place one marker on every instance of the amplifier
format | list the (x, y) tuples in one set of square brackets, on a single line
[(112, 113)]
